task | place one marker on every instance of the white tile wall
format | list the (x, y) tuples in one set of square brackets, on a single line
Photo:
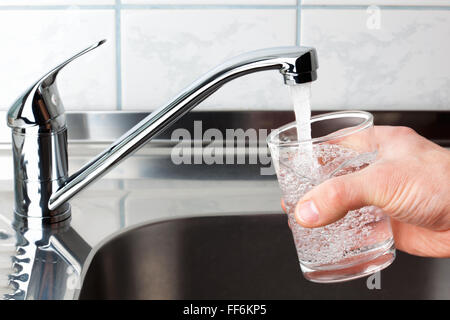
[(34, 41), (389, 59), (165, 50), (131, 71)]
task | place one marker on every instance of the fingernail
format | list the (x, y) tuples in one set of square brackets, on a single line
[(307, 212)]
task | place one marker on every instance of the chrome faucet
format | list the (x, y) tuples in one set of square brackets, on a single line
[(39, 134)]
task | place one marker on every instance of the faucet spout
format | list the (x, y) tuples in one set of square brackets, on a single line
[(46, 194), (296, 64)]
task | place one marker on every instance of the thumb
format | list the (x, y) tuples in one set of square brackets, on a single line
[(332, 199)]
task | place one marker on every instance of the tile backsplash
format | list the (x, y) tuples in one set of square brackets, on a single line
[(380, 59), (379, 54)]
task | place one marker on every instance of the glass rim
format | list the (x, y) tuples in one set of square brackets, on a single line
[(368, 122)]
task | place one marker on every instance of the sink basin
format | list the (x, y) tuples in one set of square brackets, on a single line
[(237, 257)]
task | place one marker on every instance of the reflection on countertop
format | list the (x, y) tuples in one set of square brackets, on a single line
[(148, 187)]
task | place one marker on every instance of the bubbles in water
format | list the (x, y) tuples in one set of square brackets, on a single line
[(301, 168), (346, 237)]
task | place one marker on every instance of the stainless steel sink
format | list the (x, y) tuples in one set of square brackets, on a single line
[(225, 257), (237, 257)]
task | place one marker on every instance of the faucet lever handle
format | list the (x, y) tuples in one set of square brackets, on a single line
[(40, 105), (50, 77)]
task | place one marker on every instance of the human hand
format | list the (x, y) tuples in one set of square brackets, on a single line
[(410, 181)]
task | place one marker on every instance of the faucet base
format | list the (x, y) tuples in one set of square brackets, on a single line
[(21, 220)]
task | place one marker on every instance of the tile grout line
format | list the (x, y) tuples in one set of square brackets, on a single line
[(140, 6), (54, 7), (118, 34), (119, 5), (205, 6), (384, 7), (298, 23)]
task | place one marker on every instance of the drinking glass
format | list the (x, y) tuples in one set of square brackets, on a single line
[(359, 244)]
